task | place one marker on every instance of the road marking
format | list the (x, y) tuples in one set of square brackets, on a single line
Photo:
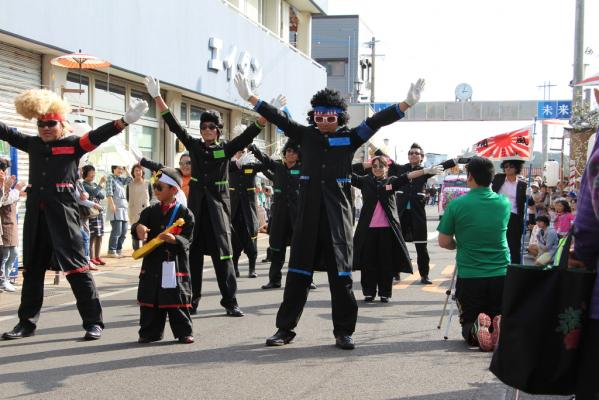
[(446, 275), (405, 282)]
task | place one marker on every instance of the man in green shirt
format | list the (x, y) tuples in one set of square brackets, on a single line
[(476, 224)]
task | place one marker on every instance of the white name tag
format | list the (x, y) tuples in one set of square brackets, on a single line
[(169, 275)]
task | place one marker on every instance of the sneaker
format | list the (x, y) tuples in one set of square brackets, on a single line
[(119, 254), (496, 329), (112, 254), (8, 286), (481, 332), (368, 299)]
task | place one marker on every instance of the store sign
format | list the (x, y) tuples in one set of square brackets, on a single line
[(243, 62), (561, 109)]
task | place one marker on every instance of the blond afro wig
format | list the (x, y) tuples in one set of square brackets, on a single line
[(34, 103)]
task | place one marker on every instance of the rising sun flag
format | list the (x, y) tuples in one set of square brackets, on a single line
[(516, 145)]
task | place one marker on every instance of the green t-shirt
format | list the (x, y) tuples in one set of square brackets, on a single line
[(479, 222)]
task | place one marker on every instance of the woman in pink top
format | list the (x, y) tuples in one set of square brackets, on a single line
[(564, 217), (379, 248)]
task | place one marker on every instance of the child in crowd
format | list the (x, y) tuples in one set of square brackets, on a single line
[(164, 280), (563, 217), (546, 242)]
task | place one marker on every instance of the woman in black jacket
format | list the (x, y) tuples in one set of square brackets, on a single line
[(379, 248)]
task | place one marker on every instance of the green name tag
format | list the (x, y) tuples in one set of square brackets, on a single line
[(294, 171), (219, 154)]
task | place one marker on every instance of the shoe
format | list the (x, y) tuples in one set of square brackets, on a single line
[(8, 286), (345, 342), (252, 274), (18, 332), (481, 331), (425, 281), (496, 329), (237, 275), (186, 339), (396, 277), (281, 338), (234, 311), (368, 299), (271, 285), (94, 332), (313, 286), (384, 299), (99, 261), (92, 267), (266, 260), (148, 339), (94, 261), (112, 255), (119, 254)]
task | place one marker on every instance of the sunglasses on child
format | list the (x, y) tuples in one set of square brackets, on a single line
[(208, 126), (158, 187), (47, 124), (320, 119)]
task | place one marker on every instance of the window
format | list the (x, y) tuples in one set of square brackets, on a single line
[(144, 138), (194, 116), (112, 98), (74, 81), (334, 68)]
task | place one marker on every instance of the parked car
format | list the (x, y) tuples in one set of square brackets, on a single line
[(453, 187)]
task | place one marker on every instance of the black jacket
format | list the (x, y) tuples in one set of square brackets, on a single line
[(499, 180), (53, 171), (243, 196), (210, 179), (325, 185)]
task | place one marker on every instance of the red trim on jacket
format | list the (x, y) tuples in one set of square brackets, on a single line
[(145, 305), (86, 144), (58, 150), (182, 274), (174, 306), (78, 270)]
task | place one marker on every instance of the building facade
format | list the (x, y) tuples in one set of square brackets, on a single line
[(194, 48)]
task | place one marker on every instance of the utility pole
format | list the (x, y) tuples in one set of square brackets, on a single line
[(373, 49), (578, 54)]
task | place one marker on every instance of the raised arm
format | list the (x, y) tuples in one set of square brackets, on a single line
[(264, 158), (242, 141), (153, 87), (14, 137), (270, 112)]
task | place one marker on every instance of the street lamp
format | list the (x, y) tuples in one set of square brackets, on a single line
[(357, 87)]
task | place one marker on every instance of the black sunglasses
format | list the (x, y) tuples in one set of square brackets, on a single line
[(50, 123), (208, 126), (412, 153), (183, 163), (158, 187)]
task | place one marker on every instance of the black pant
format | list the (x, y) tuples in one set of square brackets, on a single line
[(153, 319), (32, 293), (243, 241), (204, 242), (276, 264), (514, 237), (475, 296), (278, 245), (587, 387), (378, 269), (297, 286), (422, 259)]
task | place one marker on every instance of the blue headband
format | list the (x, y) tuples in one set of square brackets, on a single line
[(328, 110)]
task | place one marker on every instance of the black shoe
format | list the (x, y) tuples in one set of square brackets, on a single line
[(280, 338), (384, 299), (425, 281), (234, 311), (186, 339), (313, 286), (396, 277), (193, 310), (368, 299), (266, 260), (18, 332), (252, 274), (271, 285), (94, 332), (144, 340), (345, 342), (237, 275)]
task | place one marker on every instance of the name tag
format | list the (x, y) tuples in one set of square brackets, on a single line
[(169, 276), (63, 150), (339, 141), (294, 171), (248, 171), (218, 154)]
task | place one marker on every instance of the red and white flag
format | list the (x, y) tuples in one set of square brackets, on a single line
[(516, 145)]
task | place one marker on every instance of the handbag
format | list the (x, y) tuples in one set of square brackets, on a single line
[(544, 312)]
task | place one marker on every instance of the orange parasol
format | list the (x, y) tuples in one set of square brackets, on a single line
[(79, 60)]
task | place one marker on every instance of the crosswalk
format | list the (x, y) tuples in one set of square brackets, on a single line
[(440, 283)]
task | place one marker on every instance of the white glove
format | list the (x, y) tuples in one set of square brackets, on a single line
[(279, 102), (136, 153), (243, 85), (136, 110), (247, 158), (414, 93), (434, 170), (153, 86)]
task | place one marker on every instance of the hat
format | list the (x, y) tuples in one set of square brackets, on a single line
[(170, 176), (534, 184), (572, 194)]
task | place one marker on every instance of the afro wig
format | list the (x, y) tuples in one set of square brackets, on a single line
[(34, 103), (329, 98), (291, 145)]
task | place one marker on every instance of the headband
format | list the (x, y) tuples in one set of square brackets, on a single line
[(169, 181), (327, 110), (51, 117)]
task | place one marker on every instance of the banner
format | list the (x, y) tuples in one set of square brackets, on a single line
[(516, 145)]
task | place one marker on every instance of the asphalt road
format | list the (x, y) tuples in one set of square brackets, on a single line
[(400, 354)]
